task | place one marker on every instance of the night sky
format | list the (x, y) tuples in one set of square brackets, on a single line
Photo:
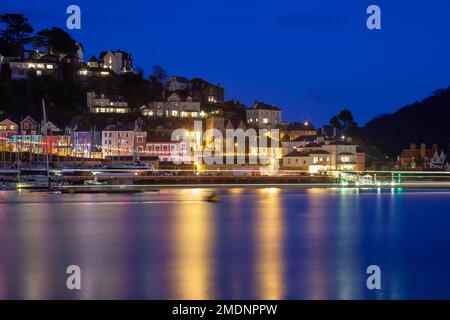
[(311, 58)]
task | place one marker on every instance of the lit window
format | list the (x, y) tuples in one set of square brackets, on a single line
[(265, 120), (49, 66), (174, 113)]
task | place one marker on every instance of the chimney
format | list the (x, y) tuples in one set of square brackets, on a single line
[(423, 150), (435, 146)]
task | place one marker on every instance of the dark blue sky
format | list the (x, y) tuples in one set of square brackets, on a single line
[(312, 58)]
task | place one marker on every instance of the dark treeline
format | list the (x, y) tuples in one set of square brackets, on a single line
[(426, 121)]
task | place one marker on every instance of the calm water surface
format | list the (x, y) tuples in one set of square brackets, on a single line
[(256, 244)]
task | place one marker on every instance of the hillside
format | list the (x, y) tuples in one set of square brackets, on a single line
[(426, 121)]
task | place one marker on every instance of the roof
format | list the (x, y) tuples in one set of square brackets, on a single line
[(296, 153), (126, 127), (300, 126), (318, 152), (29, 119), (179, 79), (411, 153), (346, 154), (156, 139), (341, 143), (306, 138), (264, 106), (125, 54), (93, 59), (8, 121), (314, 145)]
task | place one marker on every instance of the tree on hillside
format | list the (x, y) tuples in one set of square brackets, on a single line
[(55, 41), (159, 74), (15, 35), (344, 121)]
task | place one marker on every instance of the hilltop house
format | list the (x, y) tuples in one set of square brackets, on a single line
[(101, 103), (177, 83), (263, 116), (118, 61), (176, 105)]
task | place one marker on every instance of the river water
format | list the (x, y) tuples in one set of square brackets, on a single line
[(265, 243)]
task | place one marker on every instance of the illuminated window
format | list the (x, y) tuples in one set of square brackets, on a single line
[(265, 120), (174, 113)]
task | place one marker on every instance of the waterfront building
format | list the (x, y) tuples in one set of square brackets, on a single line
[(168, 150), (438, 161), (298, 160), (342, 155), (414, 158), (51, 128), (263, 116), (300, 142), (27, 143), (124, 140), (87, 144), (326, 154), (101, 103), (29, 126), (8, 129)]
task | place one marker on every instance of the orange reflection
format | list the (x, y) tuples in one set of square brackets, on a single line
[(192, 250), (269, 228)]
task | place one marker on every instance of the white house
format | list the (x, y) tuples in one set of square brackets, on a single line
[(177, 105), (118, 61), (125, 140), (265, 116), (438, 161), (101, 103)]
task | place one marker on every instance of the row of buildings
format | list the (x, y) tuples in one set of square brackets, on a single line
[(309, 151), (424, 158), (36, 63)]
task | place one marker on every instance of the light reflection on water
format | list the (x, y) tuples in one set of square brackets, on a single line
[(266, 243)]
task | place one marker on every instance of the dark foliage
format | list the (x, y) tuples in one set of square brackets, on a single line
[(426, 121)]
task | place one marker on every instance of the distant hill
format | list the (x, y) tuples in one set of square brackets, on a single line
[(426, 121)]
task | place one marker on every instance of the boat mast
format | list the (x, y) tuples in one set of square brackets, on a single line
[(46, 140)]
